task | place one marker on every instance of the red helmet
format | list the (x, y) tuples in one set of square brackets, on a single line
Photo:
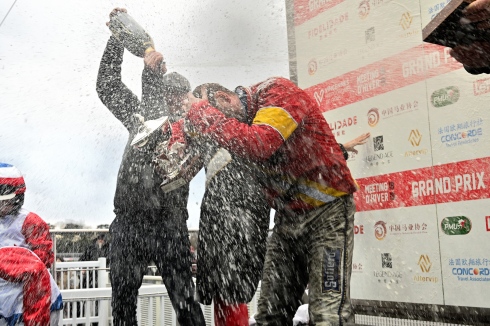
[(11, 182)]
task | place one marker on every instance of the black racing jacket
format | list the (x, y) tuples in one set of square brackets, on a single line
[(138, 186), (233, 229)]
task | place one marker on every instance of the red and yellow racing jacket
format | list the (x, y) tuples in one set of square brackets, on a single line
[(300, 162)]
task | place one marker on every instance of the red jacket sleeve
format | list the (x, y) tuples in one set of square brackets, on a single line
[(36, 233), (177, 133), (256, 141)]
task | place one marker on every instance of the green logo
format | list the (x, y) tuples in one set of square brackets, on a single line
[(456, 225), (445, 96)]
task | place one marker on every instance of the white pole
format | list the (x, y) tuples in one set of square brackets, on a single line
[(103, 279)]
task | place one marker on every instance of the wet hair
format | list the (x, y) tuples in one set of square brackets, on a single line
[(170, 91), (211, 89), (176, 84)]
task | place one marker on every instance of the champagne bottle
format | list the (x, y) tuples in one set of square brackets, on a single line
[(131, 35)]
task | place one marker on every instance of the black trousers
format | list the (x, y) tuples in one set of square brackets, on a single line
[(137, 238)]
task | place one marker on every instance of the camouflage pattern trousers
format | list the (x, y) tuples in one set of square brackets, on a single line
[(314, 249)]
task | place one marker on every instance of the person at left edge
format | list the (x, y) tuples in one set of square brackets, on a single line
[(28, 292), (149, 225)]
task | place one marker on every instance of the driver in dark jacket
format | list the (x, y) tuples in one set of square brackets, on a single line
[(150, 225)]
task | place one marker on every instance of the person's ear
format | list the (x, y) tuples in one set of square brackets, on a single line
[(222, 98)]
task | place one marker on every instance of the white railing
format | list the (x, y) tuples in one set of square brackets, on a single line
[(88, 302), (154, 307), (93, 305), (81, 274), (152, 301), (85, 291), (86, 306), (208, 311)]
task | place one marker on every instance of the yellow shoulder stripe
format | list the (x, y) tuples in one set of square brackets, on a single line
[(277, 118), (310, 201), (326, 190)]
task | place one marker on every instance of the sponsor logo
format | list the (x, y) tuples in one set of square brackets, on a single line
[(381, 157), (422, 64), (463, 133), (338, 127), (435, 9), (314, 5), (365, 52), (328, 27), (358, 229), (444, 185), (378, 143), (332, 259), (425, 266), (312, 67), (380, 230), (415, 138), (379, 192), (319, 63), (387, 275), (371, 80), (352, 157), (456, 225), (416, 153), (445, 96), (370, 35), (424, 263), (373, 117), (408, 28), (357, 268), (481, 86), (386, 260), (406, 20), (399, 109), (462, 137), (471, 270), (487, 221), (344, 84), (364, 9)]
